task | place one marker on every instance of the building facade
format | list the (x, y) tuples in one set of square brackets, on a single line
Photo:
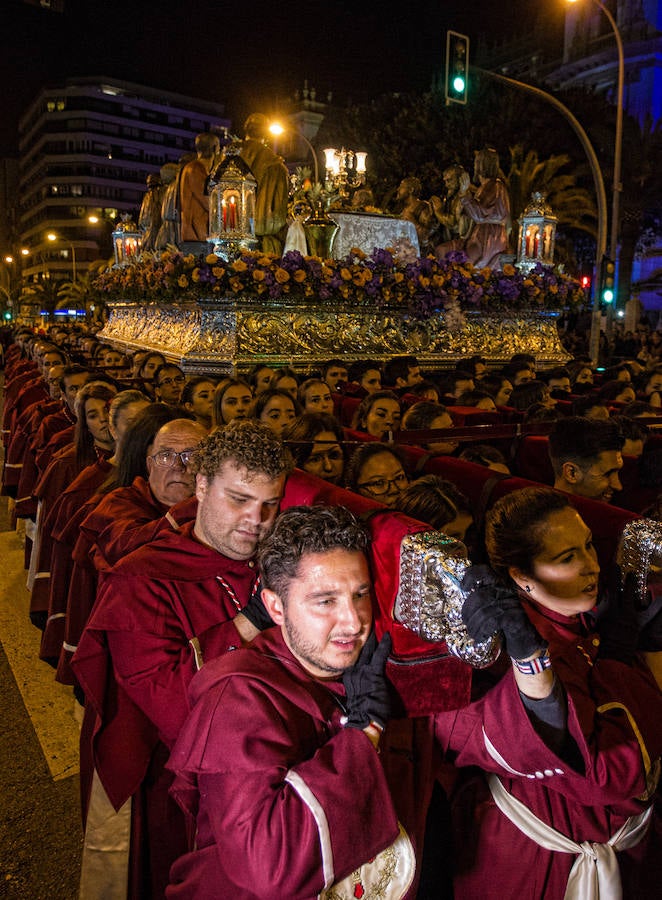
[(86, 148)]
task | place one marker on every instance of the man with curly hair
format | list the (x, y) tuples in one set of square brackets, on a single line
[(163, 610)]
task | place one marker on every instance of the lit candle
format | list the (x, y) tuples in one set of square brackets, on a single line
[(233, 213), (225, 215)]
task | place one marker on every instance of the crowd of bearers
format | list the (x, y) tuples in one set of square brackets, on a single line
[(147, 495)]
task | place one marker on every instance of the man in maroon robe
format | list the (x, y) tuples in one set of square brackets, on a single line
[(300, 782), (164, 609), (120, 522)]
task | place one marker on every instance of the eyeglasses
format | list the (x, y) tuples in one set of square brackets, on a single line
[(383, 485), (166, 459), (178, 379)]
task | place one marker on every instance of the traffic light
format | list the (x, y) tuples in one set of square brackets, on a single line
[(457, 67), (586, 282), (608, 272)]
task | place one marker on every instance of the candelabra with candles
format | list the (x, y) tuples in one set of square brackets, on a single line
[(345, 171)]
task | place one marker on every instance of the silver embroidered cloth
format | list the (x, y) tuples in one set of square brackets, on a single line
[(429, 599), (367, 232), (640, 549)]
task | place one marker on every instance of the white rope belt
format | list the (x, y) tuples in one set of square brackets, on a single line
[(595, 873)]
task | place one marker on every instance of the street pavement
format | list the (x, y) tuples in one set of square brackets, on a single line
[(40, 830)]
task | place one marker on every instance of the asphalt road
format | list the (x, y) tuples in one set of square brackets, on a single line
[(40, 829)]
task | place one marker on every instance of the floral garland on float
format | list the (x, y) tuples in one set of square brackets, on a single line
[(388, 278)]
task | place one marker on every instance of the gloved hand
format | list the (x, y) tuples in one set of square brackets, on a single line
[(619, 626), (255, 611), (492, 606), (366, 686)]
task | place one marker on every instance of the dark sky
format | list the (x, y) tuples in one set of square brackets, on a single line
[(244, 54)]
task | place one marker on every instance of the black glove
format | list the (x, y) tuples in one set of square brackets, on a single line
[(492, 606), (619, 626), (256, 613), (366, 686)]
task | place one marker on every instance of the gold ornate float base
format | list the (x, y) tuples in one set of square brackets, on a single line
[(231, 335)]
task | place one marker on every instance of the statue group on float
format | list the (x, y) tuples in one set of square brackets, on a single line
[(472, 217), (175, 208)]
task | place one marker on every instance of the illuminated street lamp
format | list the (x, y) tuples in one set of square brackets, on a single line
[(51, 236), (618, 144), (277, 129)]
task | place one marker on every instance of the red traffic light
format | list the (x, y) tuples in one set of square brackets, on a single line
[(586, 282)]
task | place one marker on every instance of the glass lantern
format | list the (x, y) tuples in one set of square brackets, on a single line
[(232, 205), (127, 242), (537, 234)]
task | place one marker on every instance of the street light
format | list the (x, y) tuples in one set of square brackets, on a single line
[(277, 129), (598, 183), (51, 236), (618, 144)]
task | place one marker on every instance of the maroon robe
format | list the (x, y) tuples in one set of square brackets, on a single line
[(54, 433), (135, 660), (263, 733), (24, 431), (62, 524), (56, 479), (120, 511), (11, 395), (496, 859)]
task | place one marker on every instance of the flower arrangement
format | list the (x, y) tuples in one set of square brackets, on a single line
[(392, 277)]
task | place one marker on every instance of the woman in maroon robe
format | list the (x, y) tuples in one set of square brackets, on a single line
[(64, 519), (538, 544), (93, 441)]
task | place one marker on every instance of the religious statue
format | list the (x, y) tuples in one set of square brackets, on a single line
[(415, 210), (149, 219), (363, 199), (193, 196), (489, 208), (449, 212), (272, 184), (169, 231)]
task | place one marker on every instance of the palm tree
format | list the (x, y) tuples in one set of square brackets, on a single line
[(574, 206), (43, 294), (79, 293)]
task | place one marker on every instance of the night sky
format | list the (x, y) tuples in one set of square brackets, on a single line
[(245, 55)]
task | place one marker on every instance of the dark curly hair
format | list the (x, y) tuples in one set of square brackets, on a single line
[(301, 530)]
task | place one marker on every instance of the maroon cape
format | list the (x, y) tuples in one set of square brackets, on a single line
[(25, 429), (135, 660), (109, 527), (63, 526), (495, 859), (276, 781)]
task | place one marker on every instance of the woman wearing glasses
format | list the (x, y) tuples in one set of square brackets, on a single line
[(378, 472)]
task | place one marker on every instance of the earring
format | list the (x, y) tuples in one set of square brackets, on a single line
[(528, 588)]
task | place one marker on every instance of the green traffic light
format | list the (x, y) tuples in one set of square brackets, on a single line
[(608, 296), (458, 84)]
